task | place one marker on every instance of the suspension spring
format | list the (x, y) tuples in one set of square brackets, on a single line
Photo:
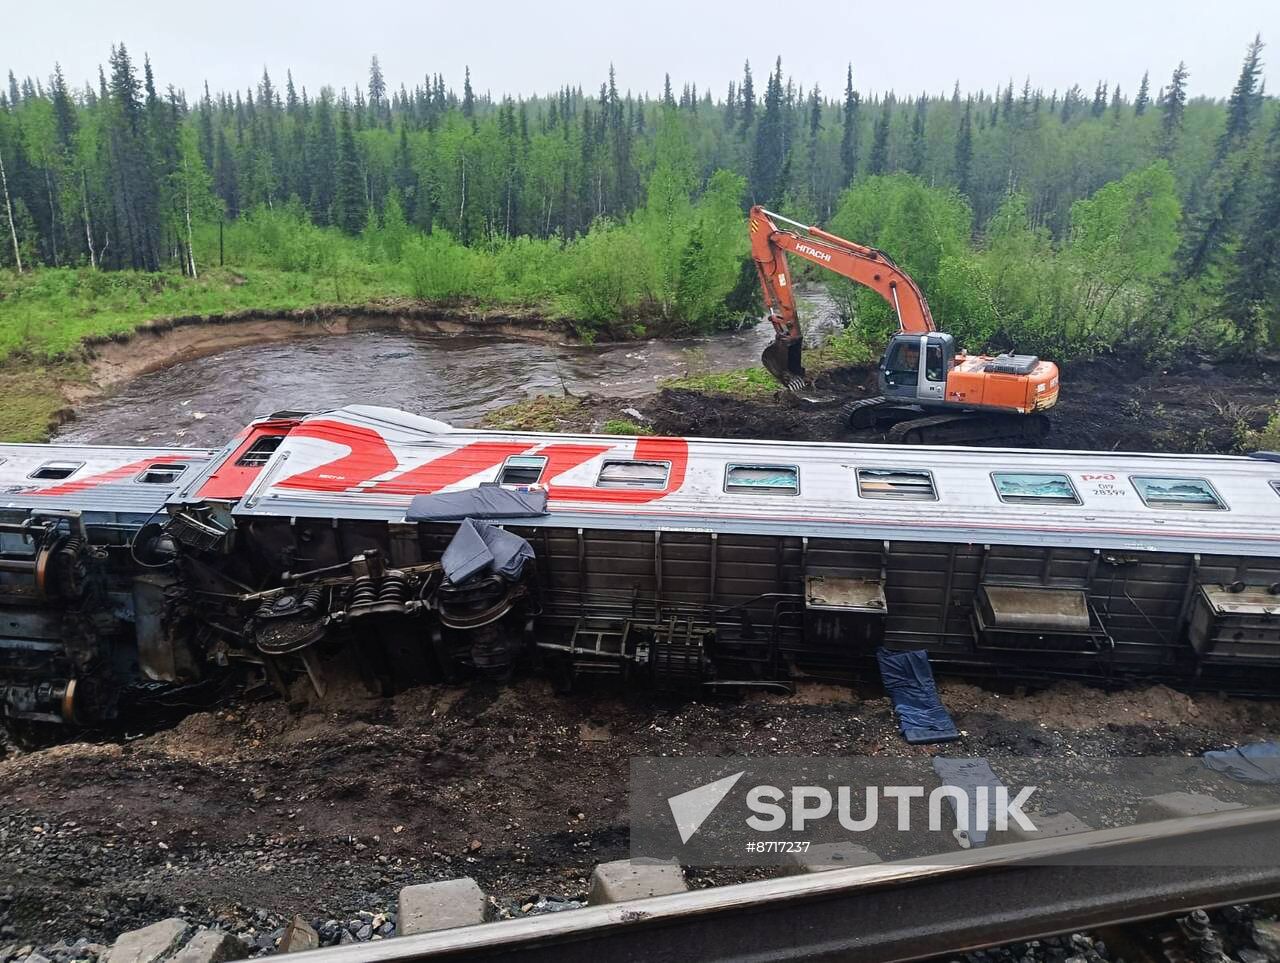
[(363, 592), (393, 587)]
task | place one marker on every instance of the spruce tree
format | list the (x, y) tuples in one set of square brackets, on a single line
[(468, 96), (1099, 99), (879, 160), (1172, 107), (769, 150), (322, 152), (917, 159), (850, 134), (747, 96), (378, 108), (350, 207), (1222, 199), (1244, 104), (1253, 293), (964, 149), (206, 129), (133, 184), (1143, 99), (226, 183)]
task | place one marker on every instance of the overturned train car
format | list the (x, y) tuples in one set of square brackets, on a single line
[(371, 540)]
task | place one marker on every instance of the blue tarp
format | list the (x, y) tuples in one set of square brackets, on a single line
[(1258, 762), (909, 679)]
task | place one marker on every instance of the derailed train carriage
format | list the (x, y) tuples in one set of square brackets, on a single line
[(374, 540)]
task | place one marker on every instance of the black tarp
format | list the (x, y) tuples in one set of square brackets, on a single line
[(484, 501), (479, 546), (909, 679)]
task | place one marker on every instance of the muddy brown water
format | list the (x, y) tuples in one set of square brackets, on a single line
[(454, 378)]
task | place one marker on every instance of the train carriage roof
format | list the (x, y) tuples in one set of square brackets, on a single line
[(365, 462)]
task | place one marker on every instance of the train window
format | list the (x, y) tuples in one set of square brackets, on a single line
[(55, 470), (259, 453), (1186, 493), (522, 470), (762, 479), (1034, 488), (162, 474), (634, 474), (903, 484)]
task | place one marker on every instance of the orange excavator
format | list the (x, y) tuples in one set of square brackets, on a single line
[(929, 393)]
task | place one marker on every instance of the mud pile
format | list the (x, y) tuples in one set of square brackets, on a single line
[(1106, 404)]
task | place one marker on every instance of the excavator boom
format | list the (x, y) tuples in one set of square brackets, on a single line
[(863, 265)]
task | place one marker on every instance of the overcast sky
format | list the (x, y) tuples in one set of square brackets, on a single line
[(522, 46)]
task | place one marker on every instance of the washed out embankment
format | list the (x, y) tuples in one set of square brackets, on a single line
[(42, 396)]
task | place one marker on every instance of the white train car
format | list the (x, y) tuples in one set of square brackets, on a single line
[(686, 561)]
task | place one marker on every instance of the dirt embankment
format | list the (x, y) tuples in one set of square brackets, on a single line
[(1106, 404)]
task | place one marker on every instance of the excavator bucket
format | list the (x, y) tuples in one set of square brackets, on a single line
[(782, 360)]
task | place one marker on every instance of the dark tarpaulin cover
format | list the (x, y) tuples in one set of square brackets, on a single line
[(968, 775), (479, 546), (484, 501), (1257, 762), (909, 679)]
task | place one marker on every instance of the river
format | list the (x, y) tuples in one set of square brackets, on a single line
[(454, 378)]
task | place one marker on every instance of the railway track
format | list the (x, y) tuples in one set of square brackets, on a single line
[(953, 903)]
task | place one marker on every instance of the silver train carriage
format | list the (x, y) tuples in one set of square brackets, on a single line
[(368, 539)]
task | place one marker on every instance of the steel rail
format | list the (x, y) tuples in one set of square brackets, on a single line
[(896, 911)]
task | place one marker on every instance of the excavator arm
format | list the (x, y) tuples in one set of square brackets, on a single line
[(862, 265)]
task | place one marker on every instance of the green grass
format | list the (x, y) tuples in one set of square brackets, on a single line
[(47, 313), (31, 397), (543, 413), (624, 426), (748, 384)]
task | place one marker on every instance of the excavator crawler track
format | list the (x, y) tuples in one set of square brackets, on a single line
[(862, 413), (971, 427)]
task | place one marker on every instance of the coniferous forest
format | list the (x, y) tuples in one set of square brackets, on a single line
[(1127, 213)]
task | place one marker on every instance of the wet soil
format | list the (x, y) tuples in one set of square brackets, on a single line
[(247, 815), (1105, 404)]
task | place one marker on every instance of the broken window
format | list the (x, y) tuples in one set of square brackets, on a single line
[(1185, 493), (162, 474), (902, 484), (259, 453), (634, 474), (522, 470), (762, 479), (1034, 488), (55, 470)]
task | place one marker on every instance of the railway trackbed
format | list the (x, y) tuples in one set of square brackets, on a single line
[(242, 819), (951, 904)]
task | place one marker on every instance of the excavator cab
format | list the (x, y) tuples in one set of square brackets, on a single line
[(915, 366)]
